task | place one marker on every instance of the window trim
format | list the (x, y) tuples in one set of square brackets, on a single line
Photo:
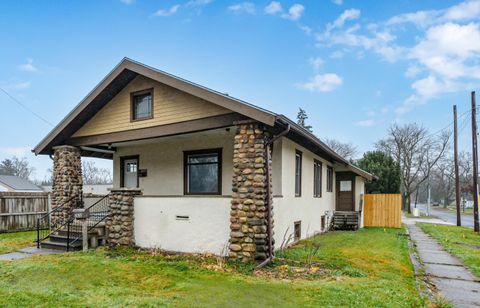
[(122, 169), (329, 179), (218, 151), (317, 163), (132, 104), (300, 155)]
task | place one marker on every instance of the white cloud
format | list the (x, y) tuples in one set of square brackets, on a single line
[(464, 11), (307, 30), (412, 71), (17, 85), (167, 12), (15, 151), (244, 7), (198, 2), (366, 123), (337, 2), (337, 54), (28, 67), (273, 8), (322, 83), (350, 14), (294, 12), (316, 63)]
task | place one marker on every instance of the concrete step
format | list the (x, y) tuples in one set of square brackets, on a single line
[(62, 245)]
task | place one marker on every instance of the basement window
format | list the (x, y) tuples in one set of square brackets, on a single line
[(142, 105), (297, 233)]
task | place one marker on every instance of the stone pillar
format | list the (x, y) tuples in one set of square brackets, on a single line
[(67, 182), (248, 215), (119, 222)]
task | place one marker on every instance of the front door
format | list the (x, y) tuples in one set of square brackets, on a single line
[(345, 192), (130, 172)]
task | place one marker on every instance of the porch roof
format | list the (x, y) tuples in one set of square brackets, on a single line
[(125, 72)]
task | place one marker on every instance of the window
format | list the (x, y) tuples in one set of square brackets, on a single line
[(298, 173), (203, 172), (297, 231), (142, 105), (329, 179), (317, 179)]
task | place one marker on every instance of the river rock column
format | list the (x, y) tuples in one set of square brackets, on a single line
[(248, 215), (119, 223), (67, 182)]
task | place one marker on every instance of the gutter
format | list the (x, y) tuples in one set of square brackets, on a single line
[(269, 193)]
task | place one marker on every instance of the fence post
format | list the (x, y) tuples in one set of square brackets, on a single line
[(38, 233)]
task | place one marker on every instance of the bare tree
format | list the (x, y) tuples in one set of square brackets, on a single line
[(443, 180), (346, 150), (16, 166), (95, 175), (416, 151)]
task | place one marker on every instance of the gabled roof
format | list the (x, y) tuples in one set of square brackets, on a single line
[(128, 69), (17, 183), (118, 78)]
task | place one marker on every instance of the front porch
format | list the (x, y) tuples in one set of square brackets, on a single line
[(195, 192)]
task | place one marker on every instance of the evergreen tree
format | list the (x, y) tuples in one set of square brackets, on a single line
[(301, 117), (385, 168)]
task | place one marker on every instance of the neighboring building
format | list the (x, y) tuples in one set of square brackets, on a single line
[(196, 170), (88, 189), (12, 183)]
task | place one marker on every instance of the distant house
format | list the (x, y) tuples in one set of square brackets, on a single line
[(88, 189), (12, 183)]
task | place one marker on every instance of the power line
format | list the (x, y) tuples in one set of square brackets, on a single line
[(25, 107)]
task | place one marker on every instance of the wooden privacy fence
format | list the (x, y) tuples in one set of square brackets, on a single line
[(19, 210), (382, 210)]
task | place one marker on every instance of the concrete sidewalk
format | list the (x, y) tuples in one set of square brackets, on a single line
[(28, 252), (452, 279)]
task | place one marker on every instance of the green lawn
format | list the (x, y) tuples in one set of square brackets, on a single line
[(367, 268), (10, 242), (460, 241)]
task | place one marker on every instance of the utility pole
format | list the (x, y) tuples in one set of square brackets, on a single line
[(476, 227), (455, 155), (428, 197)]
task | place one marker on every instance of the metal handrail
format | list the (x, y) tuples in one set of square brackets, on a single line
[(48, 215), (92, 223)]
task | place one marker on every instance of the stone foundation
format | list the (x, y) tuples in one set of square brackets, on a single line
[(248, 216), (119, 223), (67, 182)]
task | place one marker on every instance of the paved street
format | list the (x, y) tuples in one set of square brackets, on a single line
[(448, 216)]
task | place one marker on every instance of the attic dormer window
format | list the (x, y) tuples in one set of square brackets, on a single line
[(142, 105)]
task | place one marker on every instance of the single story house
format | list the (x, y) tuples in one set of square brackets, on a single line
[(13, 183), (196, 170)]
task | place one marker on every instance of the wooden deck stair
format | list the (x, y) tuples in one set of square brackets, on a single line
[(343, 220)]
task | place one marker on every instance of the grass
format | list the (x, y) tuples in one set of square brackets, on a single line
[(467, 211), (459, 241), (367, 268), (10, 242)]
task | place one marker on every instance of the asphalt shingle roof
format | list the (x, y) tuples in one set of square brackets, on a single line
[(18, 183)]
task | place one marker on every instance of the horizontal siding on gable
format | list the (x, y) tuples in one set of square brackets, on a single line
[(170, 106)]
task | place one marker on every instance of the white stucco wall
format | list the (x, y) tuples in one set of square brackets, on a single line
[(207, 228), (163, 159), (359, 192), (307, 209)]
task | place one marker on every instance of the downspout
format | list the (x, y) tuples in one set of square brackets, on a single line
[(269, 193)]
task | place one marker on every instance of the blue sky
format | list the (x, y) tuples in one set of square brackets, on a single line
[(354, 66)]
